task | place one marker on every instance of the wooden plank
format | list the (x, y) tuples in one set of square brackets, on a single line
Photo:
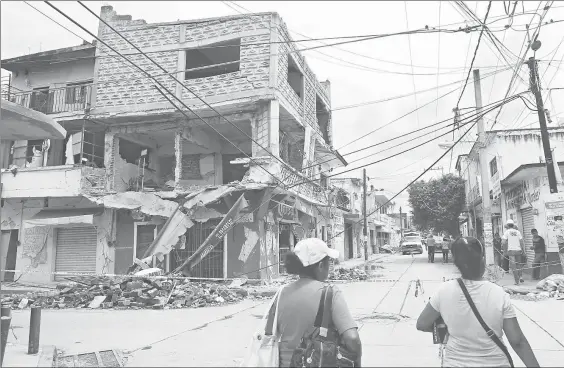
[(75, 361), (118, 357), (99, 359)]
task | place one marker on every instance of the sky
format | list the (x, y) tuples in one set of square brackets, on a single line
[(363, 73)]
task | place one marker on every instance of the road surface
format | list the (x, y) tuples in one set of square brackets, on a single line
[(218, 336)]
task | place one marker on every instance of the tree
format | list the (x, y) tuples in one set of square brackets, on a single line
[(437, 203)]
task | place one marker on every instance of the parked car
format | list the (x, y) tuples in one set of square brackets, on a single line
[(411, 244)]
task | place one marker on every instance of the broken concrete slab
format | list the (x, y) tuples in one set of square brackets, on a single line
[(98, 300)]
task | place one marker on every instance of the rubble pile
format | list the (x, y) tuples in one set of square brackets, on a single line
[(129, 292), (552, 283), (350, 274)]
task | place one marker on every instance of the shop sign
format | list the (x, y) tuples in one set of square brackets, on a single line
[(523, 193), (287, 212)]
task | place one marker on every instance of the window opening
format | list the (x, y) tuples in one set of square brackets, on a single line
[(295, 77), (212, 60)]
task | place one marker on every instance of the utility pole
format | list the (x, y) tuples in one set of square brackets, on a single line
[(401, 224), (364, 213), (534, 83), (485, 174)]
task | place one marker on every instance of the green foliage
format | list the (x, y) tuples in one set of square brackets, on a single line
[(437, 203)]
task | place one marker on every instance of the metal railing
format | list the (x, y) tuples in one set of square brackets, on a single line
[(53, 100)]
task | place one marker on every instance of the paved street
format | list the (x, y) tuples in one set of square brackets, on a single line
[(172, 338)]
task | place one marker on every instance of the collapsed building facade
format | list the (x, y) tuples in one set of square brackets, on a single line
[(137, 177)]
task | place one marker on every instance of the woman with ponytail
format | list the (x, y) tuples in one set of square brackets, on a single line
[(477, 313)]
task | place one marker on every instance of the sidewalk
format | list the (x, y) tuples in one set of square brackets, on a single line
[(16, 356)]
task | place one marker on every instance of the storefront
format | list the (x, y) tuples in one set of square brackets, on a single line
[(528, 202)]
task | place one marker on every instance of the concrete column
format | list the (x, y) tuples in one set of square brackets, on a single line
[(111, 149), (178, 155), (306, 148), (274, 127)]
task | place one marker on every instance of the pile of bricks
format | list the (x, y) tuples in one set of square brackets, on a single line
[(129, 293)]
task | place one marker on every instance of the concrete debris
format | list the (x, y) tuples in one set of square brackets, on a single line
[(352, 274), (554, 282), (133, 293)]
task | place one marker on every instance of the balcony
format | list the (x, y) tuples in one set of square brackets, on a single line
[(267, 170), (52, 181), (70, 99)]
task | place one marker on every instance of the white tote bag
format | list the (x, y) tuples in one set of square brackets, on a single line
[(263, 351)]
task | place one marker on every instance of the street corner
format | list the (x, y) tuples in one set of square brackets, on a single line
[(16, 355)]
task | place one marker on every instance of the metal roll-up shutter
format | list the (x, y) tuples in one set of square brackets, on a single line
[(76, 250), (528, 221)]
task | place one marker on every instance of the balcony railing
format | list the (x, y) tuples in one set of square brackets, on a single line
[(299, 183), (54, 100)]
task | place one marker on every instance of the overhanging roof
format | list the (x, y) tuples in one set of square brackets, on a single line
[(528, 171), (21, 123), (19, 62)]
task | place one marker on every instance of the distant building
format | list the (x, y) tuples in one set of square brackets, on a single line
[(518, 186)]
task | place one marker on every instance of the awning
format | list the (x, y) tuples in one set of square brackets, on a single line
[(146, 203), (528, 171), (62, 217), (351, 216), (22, 123)]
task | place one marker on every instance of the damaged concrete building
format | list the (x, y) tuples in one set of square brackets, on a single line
[(135, 176)]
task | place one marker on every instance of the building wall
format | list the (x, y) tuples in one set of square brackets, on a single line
[(53, 75), (39, 268), (134, 90)]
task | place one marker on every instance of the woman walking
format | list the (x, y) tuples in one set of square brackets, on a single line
[(464, 304), (299, 301)]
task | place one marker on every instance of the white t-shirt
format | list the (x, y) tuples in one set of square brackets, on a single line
[(513, 237), (468, 344)]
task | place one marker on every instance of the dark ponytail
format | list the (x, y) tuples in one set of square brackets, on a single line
[(468, 255), (294, 265)]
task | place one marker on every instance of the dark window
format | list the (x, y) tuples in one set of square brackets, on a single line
[(42, 100), (323, 180), (295, 77), (191, 167), (216, 59), (132, 153), (76, 92), (233, 172), (493, 166)]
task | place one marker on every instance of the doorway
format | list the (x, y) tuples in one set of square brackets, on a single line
[(350, 241), (9, 254)]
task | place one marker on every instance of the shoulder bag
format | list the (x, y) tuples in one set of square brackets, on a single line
[(264, 349), (488, 330), (321, 345)]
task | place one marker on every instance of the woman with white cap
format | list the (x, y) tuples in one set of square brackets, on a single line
[(299, 301)]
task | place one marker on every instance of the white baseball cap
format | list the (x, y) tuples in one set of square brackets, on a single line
[(313, 250), (510, 222)]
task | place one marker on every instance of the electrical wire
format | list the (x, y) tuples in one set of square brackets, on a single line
[(438, 64), (411, 62), (474, 56), (405, 135), (401, 117)]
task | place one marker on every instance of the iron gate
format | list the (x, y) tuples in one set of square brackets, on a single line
[(212, 264)]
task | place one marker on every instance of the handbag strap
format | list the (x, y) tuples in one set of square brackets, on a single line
[(319, 316), (488, 330), (324, 317), (272, 313)]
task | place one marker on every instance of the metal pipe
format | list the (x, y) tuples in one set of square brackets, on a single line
[(5, 327), (34, 330)]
